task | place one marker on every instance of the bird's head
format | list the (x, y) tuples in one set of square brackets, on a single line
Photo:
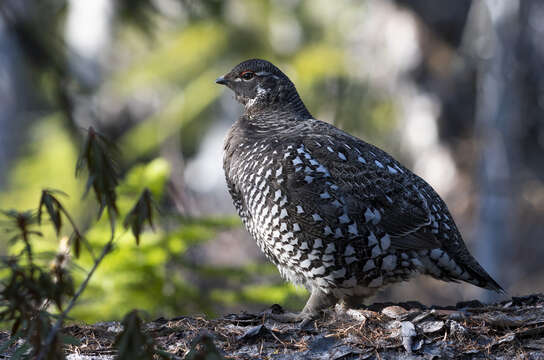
[(259, 85)]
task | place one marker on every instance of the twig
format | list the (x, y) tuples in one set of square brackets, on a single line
[(76, 230)]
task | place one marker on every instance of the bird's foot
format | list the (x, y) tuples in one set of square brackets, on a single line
[(276, 313), (317, 302), (288, 317)]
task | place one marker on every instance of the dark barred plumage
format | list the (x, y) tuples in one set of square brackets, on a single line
[(334, 213)]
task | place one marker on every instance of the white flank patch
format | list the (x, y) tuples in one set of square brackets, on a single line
[(372, 240), (445, 261), (277, 195), (318, 271), (352, 229), (389, 263), (288, 236), (376, 252), (350, 259), (436, 254), (344, 219), (369, 265), (417, 263), (327, 257), (349, 250), (456, 271), (369, 215), (385, 242), (323, 170), (392, 170)]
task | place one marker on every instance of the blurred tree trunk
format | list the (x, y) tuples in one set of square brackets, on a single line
[(17, 96), (493, 36), (7, 99)]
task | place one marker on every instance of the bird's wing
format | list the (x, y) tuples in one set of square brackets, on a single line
[(368, 184)]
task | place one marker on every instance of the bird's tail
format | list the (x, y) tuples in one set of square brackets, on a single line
[(457, 266), (480, 277)]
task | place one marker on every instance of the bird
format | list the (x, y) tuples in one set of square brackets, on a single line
[(335, 214)]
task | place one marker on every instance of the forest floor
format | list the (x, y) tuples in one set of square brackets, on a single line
[(512, 329)]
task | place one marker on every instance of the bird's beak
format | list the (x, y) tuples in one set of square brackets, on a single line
[(221, 80)]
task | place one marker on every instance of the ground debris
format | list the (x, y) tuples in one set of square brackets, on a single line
[(469, 330)]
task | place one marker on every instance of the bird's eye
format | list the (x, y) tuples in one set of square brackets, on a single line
[(247, 75)]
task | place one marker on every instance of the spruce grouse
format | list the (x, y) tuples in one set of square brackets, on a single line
[(333, 213)]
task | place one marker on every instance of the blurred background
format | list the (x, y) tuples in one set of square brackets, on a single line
[(455, 90)]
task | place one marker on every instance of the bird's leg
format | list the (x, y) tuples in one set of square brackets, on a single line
[(318, 301)]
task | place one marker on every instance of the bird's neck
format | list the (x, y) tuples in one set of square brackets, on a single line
[(282, 112)]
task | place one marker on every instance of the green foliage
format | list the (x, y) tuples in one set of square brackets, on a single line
[(19, 227), (246, 293), (28, 289), (103, 178), (139, 214), (148, 276)]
